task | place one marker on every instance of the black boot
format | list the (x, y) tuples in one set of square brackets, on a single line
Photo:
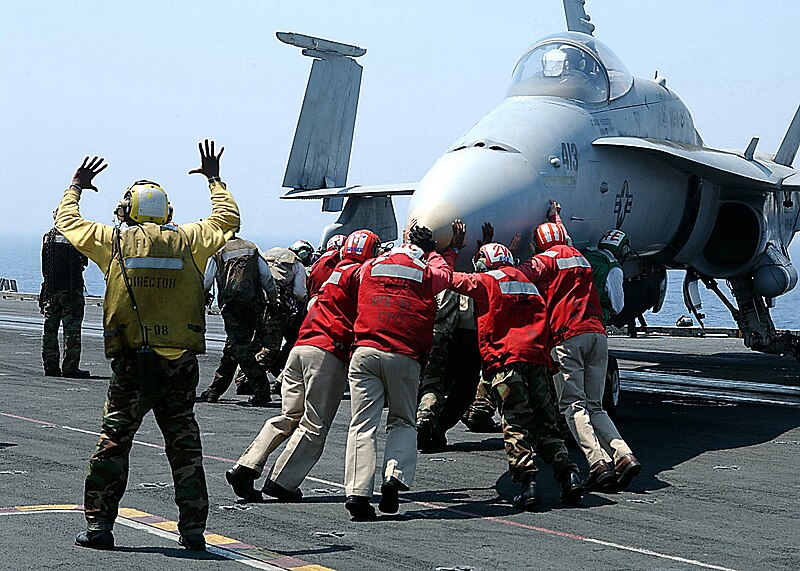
[(360, 509), (96, 539), (481, 423), (571, 489), (207, 396), (279, 492), (193, 541), (258, 400), (425, 430), (76, 374), (528, 497), (390, 501), (241, 479)]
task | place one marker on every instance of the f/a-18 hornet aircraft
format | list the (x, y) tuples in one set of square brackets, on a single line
[(617, 151)]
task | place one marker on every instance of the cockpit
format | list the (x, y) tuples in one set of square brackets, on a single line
[(571, 65)]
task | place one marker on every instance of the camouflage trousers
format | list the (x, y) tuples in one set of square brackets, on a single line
[(483, 403), (240, 349), (451, 375), (269, 335), (62, 307), (172, 400), (528, 417)]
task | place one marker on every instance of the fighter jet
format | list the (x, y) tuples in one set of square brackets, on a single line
[(616, 151)]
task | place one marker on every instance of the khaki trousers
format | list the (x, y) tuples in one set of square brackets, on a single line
[(374, 376), (580, 382), (312, 387)]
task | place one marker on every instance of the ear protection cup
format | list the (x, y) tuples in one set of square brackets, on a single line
[(123, 208), (144, 201)]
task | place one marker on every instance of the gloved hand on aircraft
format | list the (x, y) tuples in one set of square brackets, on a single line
[(422, 237)]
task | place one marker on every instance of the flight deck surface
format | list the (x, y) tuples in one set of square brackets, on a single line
[(719, 488)]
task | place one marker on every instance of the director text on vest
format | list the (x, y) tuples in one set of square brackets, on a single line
[(147, 281)]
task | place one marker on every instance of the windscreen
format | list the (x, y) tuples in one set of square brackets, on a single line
[(572, 66)]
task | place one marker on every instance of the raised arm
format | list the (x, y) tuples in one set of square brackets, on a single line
[(210, 234), (91, 239)]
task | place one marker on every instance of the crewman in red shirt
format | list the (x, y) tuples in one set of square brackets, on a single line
[(323, 267), (513, 339), (313, 383), (580, 347), (393, 334)]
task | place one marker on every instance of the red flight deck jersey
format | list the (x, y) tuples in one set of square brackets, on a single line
[(396, 304), (564, 277), (321, 271), (512, 318), (329, 322)]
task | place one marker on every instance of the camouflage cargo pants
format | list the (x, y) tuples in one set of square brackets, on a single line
[(172, 402), (451, 376), (240, 349), (271, 328), (529, 421), (483, 406), (62, 307), (451, 372)]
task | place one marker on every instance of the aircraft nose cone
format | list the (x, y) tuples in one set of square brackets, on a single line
[(478, 185)]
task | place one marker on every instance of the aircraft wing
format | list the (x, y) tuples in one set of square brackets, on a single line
[(354, 190), (724, 167)]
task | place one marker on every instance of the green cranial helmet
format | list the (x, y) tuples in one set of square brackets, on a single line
[(303, 250), (616, 242)]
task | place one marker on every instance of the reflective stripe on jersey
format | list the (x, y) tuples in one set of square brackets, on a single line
[(397, 271), (60, 239), (513, 287), (237, 253), (333, 279), (573, 262), (152, 263), (518, 288)]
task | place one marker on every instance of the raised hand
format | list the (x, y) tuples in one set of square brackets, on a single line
[(515, 240), (555, 208), (421, 237), (407, 228), (87, 171), (209, 162), (488, 233), (459, 234)]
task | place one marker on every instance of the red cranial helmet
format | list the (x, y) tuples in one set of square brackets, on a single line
[(361, 245), (493, 256), (548, 235)]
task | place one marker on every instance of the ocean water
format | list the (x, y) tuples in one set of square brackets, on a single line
[(20, 259)]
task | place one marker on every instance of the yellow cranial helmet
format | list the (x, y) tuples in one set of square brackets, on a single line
[(146, 201)]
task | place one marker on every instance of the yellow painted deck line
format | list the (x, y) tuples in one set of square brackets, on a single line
[(226, 547), (48, 507)]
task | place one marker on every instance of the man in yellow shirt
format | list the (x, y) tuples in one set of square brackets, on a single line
[(153, 328)]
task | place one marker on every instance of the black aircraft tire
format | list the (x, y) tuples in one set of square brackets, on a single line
[(611, 392)]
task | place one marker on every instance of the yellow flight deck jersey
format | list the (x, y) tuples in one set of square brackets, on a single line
[(197, 240)]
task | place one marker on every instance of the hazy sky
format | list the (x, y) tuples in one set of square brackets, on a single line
[(140, 83)]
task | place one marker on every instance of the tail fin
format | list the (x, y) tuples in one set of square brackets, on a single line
[(577, 18), (320, 155), (788, 149)]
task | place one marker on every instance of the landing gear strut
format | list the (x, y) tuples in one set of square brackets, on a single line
[(752, 315)]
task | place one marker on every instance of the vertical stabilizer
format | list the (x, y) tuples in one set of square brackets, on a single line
[(320, 155), (788, 149), (577, 18)]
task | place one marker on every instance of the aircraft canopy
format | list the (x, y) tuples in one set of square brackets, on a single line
[(571, 65)]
